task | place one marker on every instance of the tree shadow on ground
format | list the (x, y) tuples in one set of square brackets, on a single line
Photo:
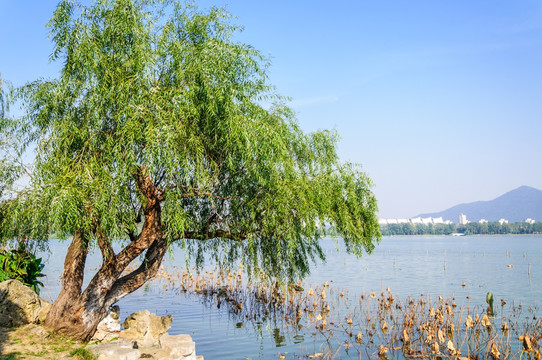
[(7, 337), (18, 338), (8, 320)]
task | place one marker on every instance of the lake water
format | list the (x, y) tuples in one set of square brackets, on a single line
[(463, 268)]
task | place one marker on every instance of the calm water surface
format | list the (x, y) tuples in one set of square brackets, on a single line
[(508, 266)]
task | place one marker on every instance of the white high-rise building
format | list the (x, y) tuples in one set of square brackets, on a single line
[(463, 219)]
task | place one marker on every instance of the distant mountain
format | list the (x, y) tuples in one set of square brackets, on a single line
[(514, 206)]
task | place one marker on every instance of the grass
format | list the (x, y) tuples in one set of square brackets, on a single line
[(34, 342), (82, 354), (38, 354), (11, 356)]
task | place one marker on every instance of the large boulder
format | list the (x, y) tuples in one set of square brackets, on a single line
[(145, 328), (20, 305)]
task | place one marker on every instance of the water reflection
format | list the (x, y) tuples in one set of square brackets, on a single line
[(298, 339), (463, 270), (280, 340)]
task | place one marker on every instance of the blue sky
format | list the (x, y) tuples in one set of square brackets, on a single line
[(440, 101)]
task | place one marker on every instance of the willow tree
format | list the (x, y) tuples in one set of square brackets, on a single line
[(161, 129)]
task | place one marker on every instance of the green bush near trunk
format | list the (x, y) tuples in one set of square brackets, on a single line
[(20, 264)]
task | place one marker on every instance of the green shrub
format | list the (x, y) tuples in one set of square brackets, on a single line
[(20, 264)]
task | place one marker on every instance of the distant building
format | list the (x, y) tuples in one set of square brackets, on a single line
[(483, 221), (529, 221), (463, 219), (388, 221), (427, 221), (503, 221), (414, 221)]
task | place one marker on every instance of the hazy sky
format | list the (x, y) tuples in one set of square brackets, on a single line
[(440, 101)]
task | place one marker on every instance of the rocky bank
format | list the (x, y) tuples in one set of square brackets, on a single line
[(143, 335)]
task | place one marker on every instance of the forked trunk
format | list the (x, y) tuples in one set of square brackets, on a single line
[(77, 313)]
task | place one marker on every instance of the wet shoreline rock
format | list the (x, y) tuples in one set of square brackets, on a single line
[(145, 335)]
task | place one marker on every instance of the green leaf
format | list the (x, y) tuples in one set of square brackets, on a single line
[(20, 264)]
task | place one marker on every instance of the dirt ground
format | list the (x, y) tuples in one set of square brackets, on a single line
[(34, 342)]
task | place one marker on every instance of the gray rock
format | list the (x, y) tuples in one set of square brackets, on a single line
[(145, 328), (177, 347), (149, 332), (20, 305), (115, 350)]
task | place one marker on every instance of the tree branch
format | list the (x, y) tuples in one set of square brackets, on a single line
[(208, 189), (238, 172), (105, 278), (148, 268), (132, 236), (198, 193), (74, 264), (217, 234), (103, 243)]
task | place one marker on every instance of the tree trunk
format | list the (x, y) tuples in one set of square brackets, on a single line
[(59, 317), (77, 313), (78, 316)]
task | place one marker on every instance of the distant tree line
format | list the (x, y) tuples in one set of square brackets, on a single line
[(417, 229), (474, 228)]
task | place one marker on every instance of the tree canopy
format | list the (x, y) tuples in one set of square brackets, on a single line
[(161, 91), (161, 128)]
